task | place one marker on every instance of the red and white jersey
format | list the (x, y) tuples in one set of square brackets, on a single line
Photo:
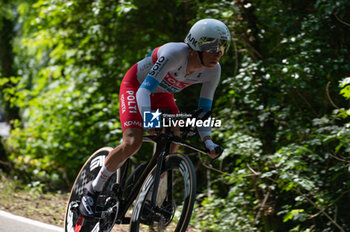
[(165, 69)]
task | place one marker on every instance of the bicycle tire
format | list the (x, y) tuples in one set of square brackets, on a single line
[(87, 173), (176, 166)]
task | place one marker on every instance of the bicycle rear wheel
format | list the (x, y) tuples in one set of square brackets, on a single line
[(175, 198), (74, 222)]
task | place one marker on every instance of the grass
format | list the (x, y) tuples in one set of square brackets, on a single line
[(45, 207), (33, 204)]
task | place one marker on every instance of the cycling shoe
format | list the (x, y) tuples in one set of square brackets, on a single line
[(88, 201)]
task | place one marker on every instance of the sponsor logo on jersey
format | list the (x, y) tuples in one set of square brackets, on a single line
[(158, 66), (132, 123), (130, 104), (173, 85)]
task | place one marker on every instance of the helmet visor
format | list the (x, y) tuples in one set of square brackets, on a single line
[(213, 45)]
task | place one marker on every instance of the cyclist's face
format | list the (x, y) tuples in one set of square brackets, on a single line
[(211, 59)]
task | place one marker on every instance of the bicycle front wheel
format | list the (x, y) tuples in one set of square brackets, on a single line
[(175, 197)]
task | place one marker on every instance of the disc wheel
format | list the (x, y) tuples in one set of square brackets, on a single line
[(74, 221)]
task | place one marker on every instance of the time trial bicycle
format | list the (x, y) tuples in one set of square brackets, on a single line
[(161, 193)]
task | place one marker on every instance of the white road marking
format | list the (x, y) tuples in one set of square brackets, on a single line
[(30, 221)]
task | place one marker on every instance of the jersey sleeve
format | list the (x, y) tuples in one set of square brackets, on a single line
[(165, 59), (208, 89), (207, 95)]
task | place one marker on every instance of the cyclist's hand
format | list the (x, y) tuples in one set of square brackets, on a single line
[(214, 150)]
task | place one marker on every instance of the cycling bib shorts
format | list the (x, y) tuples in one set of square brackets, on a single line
[(130, 116)]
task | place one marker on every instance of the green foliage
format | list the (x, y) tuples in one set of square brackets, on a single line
[(71, 56), (286, 161), (283, 98), (345, 91)]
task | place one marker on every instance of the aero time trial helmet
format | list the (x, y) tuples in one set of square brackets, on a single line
[(209, 35)]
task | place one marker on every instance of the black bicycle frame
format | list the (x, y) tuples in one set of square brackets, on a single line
[(163, 143)]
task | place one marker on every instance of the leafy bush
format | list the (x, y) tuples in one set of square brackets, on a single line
[(285, 129)]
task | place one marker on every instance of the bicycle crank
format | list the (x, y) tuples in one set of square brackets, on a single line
[(113, 210)]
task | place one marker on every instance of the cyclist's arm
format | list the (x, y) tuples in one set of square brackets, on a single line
[(206, 98), (166, 61)]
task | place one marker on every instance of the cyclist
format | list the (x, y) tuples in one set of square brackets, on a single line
[(151, 83)]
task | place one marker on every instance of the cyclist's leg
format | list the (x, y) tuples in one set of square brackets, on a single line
[(132, 141), (131, 121)]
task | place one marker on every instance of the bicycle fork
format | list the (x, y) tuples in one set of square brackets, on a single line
[(158, 197), (160, 162)]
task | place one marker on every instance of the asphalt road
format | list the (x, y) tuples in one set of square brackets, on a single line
[(12, 223)]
